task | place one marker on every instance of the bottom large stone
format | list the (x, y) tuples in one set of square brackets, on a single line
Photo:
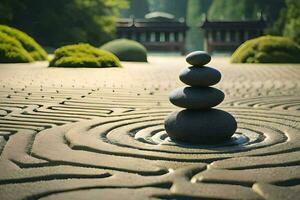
[(200, 126)]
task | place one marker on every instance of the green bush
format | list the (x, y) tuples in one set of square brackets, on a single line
[(83, 55), (28, 43), (267, 49), (11, 50), (127, 50)]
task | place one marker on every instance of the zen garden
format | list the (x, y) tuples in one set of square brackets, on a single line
[(149, 99)]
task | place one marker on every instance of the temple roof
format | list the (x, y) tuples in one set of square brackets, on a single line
[(160, 16), (155, 21), (244, 24)]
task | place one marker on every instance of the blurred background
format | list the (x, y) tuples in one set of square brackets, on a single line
[(60, 22)]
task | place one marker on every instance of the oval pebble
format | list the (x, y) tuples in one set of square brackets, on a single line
[(196, 98), (200, 76), (200, 126), (198, 58)]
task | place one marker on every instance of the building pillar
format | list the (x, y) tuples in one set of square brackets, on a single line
[(180, 36), (218, 36), (152, 37), (209, 36), (207, 40), (172, 37), (162, 37), (227, 36)]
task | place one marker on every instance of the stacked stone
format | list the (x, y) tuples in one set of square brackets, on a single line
[(199, 123)]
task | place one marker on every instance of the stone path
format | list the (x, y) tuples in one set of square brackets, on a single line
[(98, 133)]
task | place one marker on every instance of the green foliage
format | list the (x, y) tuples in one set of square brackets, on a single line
[(127, 50), (137, 9), (196, 10), (5, 11), (83, 55), (60, 22), (156, 5), (6, 39), (292, 19), (12, 54), (28, 43), (247, 9), (278, 26), (229, 12), (267, 49), (12, 51), (174, 7)]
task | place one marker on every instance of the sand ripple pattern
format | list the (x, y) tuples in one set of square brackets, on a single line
[(109, 140)]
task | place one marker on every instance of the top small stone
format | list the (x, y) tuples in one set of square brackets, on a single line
[(198, 58)]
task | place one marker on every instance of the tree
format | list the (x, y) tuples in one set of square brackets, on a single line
[(245, 9), (224, 10), (55, 23), (292, 20), (196, 10)]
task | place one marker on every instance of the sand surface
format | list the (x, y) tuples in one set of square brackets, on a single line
[(98, 133)]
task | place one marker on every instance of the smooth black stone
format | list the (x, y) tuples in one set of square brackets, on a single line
[(200, 126), (200, 76), (196, 97), (198, 58)]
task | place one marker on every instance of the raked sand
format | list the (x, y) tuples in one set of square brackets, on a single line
[(98, 133)]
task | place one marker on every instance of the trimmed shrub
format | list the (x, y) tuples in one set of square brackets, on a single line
[(28, 43), (127, 50), (11, 50), (267, 49), (83, 55)]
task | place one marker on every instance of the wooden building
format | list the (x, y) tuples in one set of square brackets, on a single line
[(157, 31), (228, 35)]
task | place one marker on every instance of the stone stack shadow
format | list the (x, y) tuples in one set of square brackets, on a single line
[(199, 122)]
